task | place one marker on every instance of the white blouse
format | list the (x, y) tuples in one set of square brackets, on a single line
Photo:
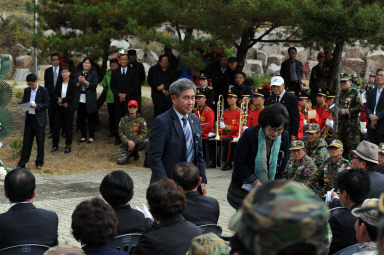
[(64, 88)]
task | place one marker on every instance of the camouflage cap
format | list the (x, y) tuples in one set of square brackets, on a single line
[(312, 128), (344, 79), (64, 250), (208, 244), (279, 214), (368, 211), (336, 143), (296, 145), (381, 148)]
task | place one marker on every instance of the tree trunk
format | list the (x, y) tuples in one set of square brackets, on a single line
[(104, 64), (334, 81), (243, 48)]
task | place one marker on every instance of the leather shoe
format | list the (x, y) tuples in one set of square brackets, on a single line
[(67, 150), (227, 166), (54, 148), (50, 135), (20, 166), (39, 166)]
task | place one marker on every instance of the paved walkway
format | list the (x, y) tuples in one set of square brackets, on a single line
[(61, 193)]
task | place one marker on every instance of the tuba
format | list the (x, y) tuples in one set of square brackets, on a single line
[(219, 114)]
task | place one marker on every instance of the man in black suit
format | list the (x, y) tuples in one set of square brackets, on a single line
[(200, 210), (292, 70), (138, 68), (280, 95), (23, 223), (374, 108), (52, 76), (125, 87), (35, 121), (221, 78), (176, 134)]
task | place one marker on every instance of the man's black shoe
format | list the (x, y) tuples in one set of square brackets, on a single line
[(227, 166), (39, 166), (50, 135), (54, 148), (135, 155), (67, 150), (20, 166)]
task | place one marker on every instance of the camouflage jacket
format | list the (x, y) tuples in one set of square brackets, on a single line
[(351, 101), (302, 171), (367, 248), (325, 177), (134, 129), (318, 152)]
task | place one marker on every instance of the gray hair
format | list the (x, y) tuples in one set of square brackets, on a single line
[(180, 85)]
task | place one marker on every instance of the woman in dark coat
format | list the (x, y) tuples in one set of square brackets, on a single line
[(86, 82), (261, 154)]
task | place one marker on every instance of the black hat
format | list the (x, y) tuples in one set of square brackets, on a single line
[(131, 52), (258, 92), (329, 94), (200, 93), (321, 92), (113, 60), (231, 93), (302, 95)]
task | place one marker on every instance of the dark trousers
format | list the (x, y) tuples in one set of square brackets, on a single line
[(374, 136), (63, 119), (32, 129), (160, 106), (293, 85), (121, 109), (86, 120), (51, 114), (111, 114)]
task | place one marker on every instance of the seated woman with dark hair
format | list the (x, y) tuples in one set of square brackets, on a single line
[(93, 224), (261, 154), (171, 234), (117, 189)]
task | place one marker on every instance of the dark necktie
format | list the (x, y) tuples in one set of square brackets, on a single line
[(278, 99), (188, 140), (124, 73)]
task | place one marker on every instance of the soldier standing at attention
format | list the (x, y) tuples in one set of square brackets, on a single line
[(321, 105), (300, 167), (256, 107), (325, 177), (315, 145), (132, 131), (207, 90), (350, 106)]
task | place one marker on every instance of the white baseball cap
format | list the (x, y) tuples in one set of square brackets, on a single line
[(277, 81)]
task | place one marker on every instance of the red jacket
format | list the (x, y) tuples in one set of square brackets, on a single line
[(231, 119), (323, 113), (207, 118), (253, 115)]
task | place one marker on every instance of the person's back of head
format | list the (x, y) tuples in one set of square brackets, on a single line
[(187, 176), (117, 188), (19, 185), (94, 222), (166, 199), (279, 217), (368, 220), (356, 183)]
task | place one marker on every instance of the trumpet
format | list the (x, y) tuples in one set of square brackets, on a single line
[(219, 112), (243, 117)]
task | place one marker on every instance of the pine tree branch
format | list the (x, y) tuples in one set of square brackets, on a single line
[(255, 40)]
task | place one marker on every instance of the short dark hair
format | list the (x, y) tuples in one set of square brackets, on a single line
[(371, 230), (131, 52), (55, 55), (243, 74), (31, 77), (162, 56), (19, 185), (113, 60), (186, 175), (90, 61), (117, 188), (94, 222), (65, 68), (379, 70), (292, 48), (238, 246), (355, 182), (166, 199), (274, 115)]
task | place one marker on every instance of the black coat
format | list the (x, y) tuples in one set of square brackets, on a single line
[(139, 69), (220, 82), (156, 77), (69, 97), (201, 209), (167, 145), (377, 184), (48, 80), (286, 73), (130, 220), (342, 224), (130, 85), (370, 107), (290, 102), (172, 236), (245, 154), (23, 223), (42, 101), (90, 91)]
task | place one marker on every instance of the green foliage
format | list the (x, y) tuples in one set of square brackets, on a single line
[(16, 146), (16, 30), (19, 95), (5, 67), (259, 82)]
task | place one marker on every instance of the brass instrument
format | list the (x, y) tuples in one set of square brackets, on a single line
[(243, 117), (219, 114)]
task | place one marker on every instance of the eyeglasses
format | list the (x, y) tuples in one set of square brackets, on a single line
[(380, 75), (357, 158), (275, 130), (55, 59)]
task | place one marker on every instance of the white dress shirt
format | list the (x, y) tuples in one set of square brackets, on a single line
[(64, 87), (378, 94), (32, 99)]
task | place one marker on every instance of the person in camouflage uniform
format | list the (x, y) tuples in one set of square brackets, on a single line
[(208, 244), (350, 106), (132, 132), (300, 167), (324, 179), (315, 146), (278, 215)]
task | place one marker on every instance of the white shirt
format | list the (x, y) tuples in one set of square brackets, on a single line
[(56, 70), (180, 116), (124, 70), (378, 93), (280, 96), (32, 99), (64, 87)]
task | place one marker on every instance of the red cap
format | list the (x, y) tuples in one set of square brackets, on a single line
[(132, 102), (321, 54)]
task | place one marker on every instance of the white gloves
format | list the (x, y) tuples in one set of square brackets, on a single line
[(328, 196), (222, 125), (235, 139), (211, 134), (305, 122), (329, 123), (364, 131), (244, 128), (145, 211)]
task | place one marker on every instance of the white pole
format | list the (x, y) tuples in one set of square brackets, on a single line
[(35, 43)]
